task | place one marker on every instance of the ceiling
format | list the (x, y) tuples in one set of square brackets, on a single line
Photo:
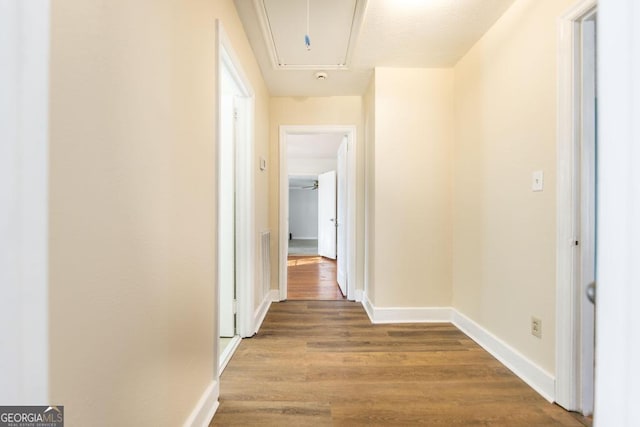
[(351, 37)]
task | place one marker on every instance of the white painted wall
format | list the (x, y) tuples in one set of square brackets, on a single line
[(308, 166), (24, 145), (303, 214)]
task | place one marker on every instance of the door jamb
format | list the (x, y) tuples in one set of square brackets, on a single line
[(283, 214), (245, 182), (568, 289)]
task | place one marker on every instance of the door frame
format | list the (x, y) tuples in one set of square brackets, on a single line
[(618, 275), (570, 333), (24, 192), (245, 187), (283, 215)]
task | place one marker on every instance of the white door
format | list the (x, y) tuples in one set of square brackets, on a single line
[(227, 219), (342, 217), (327, 214), (618, 273)]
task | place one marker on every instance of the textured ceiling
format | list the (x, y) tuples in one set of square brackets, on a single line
[(394, 33)]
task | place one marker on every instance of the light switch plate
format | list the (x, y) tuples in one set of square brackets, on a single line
[(537, 181)]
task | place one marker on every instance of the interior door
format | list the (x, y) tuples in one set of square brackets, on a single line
[(227, 219), (327, 214), (342, 217)]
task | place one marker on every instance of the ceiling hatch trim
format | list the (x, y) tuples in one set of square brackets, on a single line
[(272, 31)]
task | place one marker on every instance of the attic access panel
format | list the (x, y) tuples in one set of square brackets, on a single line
[(333, 29)]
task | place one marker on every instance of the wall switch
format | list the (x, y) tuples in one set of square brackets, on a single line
[(537, 181), (536, 327)]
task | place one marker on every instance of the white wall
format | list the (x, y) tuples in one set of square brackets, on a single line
[(303, 214), (310, 166)]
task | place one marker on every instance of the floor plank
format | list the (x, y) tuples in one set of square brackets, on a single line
[(324, 363), (312, 278)]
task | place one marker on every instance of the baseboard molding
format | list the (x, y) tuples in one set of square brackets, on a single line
[(227, 354), (262, 310), (206, 407), (536, 377), (358, 295), (406, 314), (275, 295)]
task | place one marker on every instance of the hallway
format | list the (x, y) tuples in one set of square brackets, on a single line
[(312, 278), (324, 363)]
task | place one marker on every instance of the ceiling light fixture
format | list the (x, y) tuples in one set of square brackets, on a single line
[(321, 75)]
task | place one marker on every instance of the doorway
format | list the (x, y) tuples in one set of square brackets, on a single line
[(235, 195), (577, 221), (334, 219)]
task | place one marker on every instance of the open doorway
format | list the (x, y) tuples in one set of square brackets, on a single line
[(235, 195), (577, 221), (317, 210)]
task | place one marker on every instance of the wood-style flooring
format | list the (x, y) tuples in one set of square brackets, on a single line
[(312, 278), (323, 363)]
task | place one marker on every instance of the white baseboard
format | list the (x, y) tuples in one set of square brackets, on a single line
[(304, 238), (275, 295), (206, 407), (227, 354), (262, 310), (406, 314), (536, 377), (358, 295)]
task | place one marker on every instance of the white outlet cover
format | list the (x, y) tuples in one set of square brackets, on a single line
[(537, 181)]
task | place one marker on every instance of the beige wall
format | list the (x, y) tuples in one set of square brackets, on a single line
[(369, 123), (337, 110), (132, 208), (412, 185), (504, 234)]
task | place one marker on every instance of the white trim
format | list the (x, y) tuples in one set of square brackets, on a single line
[(245, 181), (358, 295), (24, 210), (379, 315), (568, 292), (228, 352), (618, 276), (263, 309), (272, 52), (283, 238), (536, 377), (206, 407)]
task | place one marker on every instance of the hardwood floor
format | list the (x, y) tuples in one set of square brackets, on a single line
[(323, 363), (312, 278)]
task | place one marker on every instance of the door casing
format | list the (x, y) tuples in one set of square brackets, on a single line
[(245, 187), (574, 315), (283, 215)]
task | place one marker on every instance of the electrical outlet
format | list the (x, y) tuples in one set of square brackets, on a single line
[(536, 327)]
